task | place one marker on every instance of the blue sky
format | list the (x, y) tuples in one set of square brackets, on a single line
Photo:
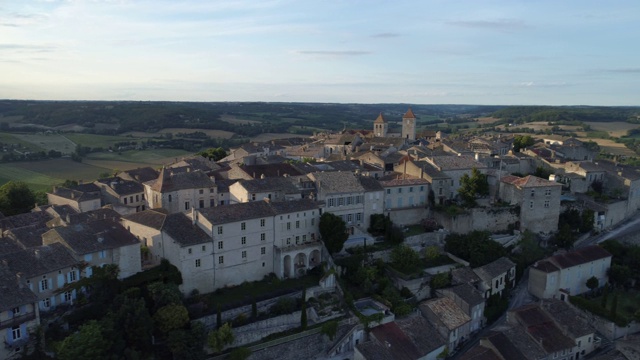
[(422, 52)]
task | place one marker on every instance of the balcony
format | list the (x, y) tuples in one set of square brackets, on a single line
[(17, 320)]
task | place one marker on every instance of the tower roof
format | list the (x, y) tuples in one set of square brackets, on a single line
[(409, 114), (380, 120)]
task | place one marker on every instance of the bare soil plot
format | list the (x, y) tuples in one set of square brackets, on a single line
[(103, 141), (487, 120), (615, 129), (236, 120), (612, 147), (49, 142), (138, 158), (220, 134)]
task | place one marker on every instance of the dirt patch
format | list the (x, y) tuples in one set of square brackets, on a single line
[(237, 121), (612, 147), (615, 129), (487, 120)]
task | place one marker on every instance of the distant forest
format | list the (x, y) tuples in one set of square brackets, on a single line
[(274, 117)]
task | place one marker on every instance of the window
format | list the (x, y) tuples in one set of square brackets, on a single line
[(131, 198), (546, 203), (313, 222), (204, 247), (211, 191), (358, 216), (201, 191), (220, 260), (297, 240), (201, 203), (340, 201), (219, 230), (440, 191), (288, 226), (349, 200), (263, 250), (243, 240), (244, 254), (44, 284), (212, 202), (189, 250), (15, 332), (16, 311), (297, 224), (253, 197), (169, 198), (288, 241), (137, 198), (46, 303), (197, 262), (399, 190), (263, 236), (187, 205), (547, 192), (331, 202), (533, 192), (530, 204), (349, 218), (304, 238), (125, 201), (72, 276), (422, 188), (263, 222), (68, 296), (243, 226), (220, 245)]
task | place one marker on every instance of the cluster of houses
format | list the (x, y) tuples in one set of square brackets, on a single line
[(257, 211)]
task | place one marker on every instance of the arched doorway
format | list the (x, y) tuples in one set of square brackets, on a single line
[(300, 264), (287, 266), (314, 258)]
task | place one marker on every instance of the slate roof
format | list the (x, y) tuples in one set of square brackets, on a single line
[(26, 219), (80, 193), (523, 341), (236, 212), (270, 170), (464, 275), (448, 312), (167, 182), (140, 175), (494, 269), (283, 184), (579, 256), (28, 236), (462, 162), (286, 207), (467, 293), (122, 187), (13, 293), (542, 328), (422, 334), (184, 231), (153, 218), (430, 170), (8, 246), (336, 182), (61, 211), (370, 184), (40, 260), (194, 163), (91, 237), (528, 181)]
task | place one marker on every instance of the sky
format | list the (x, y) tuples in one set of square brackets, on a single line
[(514, 52)]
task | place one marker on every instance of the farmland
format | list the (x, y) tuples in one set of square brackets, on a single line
[(614, 129), (41, 175), (219, 134), (103, 141), (49, 142)]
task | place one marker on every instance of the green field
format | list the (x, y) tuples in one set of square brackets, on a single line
[(147, 157), (9, 138), (49, 142), (103, 141), (42, 175)]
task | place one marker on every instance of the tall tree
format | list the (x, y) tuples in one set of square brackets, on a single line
[(333, 231), (87, 343), (220, 338), (16, 198), (522, 141), (473, 186), (592, 283)]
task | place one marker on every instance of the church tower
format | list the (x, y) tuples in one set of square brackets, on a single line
[(380, 127), (409, 125)]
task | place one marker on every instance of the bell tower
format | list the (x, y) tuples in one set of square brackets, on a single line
[(409, 125), (380, 127)]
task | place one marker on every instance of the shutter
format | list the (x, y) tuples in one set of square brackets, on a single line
[(60, 280)]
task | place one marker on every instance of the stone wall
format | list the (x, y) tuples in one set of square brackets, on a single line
[(408, 216), (253, 332), (426, 239), (493, 219)]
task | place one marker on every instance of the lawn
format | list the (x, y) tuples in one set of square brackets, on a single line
[(42, 175)]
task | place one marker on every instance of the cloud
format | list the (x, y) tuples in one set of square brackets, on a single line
[(500, 24), (27, 48), (531, 84), (623, 70), (385, 35), (333, 52), (19, 19)]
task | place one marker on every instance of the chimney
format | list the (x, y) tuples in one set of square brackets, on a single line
[(193, 216), (100, 237), (262, 176), (37, 253)]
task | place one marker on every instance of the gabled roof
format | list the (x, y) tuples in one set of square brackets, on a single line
[(453, 162), (91, 237), (167, 182), (121, 187), (336, 182), (13, 292), (542, 329), (283, 184), (140, 175), (26, 219), (270, 170), (579, 256), (184, 231), (236, 212), (494, 269), (467, 293), (504, 346), (153, 218), (8, 246), (86, 194), (545, 266), (567, 317), (480, 352), (397, 343), (39, 260), (380, 120), (28, 236)]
